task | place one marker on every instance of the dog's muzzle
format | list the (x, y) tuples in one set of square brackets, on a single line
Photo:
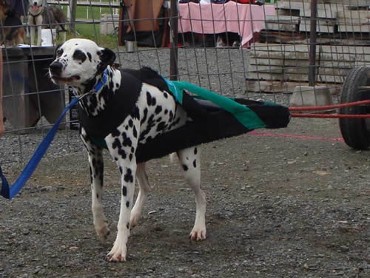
[(56, 70)]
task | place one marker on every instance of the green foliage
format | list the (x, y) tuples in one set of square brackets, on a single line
[(90, 30)]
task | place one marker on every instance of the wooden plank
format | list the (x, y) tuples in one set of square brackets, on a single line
[(323, 25), (282, 23), (268, 86), (353, 28), (304, 8)]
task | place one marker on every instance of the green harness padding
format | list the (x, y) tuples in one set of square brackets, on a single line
[(242, 113)]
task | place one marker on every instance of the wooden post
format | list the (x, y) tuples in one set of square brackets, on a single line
[(72, 16), (313, 40), (174, 40), (1, 94)]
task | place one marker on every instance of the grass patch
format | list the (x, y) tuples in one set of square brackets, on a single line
[(92, 30)]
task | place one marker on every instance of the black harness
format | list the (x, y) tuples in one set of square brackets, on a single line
[(209, 122)]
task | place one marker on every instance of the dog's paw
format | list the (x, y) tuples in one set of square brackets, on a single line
[(102, 231), (117, 254), (198, 234)]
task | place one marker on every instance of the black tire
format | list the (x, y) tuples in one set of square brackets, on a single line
[(356, 132)]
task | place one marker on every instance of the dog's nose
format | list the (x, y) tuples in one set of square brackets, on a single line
[(56, 68)]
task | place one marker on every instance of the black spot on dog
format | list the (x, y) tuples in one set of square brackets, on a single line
[(91, 176), (195, 150), (128, 177), (161, 126), (130, 123), (79, 55), (116, 144), (145, 115), (195, 163), (122, 153), (89, 56), (165, 95), (126, 140), (158, 109), (184, 167), (159, 120), (136, 113), (151, 120), (170, 116), (134, 132), (151, 101), (124, 191), (127, 204), (116, 133), (165, 111)]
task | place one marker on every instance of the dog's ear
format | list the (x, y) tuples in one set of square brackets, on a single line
[(107, 58)]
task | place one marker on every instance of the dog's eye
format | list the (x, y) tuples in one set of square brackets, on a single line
[(59, 52), (79, 55)]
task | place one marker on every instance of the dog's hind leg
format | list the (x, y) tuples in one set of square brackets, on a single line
[(144, 188), (190, 161), (38, 35), (96, 163), (32, 35)]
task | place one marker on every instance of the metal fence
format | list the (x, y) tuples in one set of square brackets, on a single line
[(265, 50)]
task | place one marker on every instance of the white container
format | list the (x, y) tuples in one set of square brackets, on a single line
[(48, 37)]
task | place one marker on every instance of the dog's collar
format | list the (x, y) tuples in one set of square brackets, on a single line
[(103, 80)]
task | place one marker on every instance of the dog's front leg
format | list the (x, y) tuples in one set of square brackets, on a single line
[(32, 34), (39, 27), (96, 162), (122, 147)]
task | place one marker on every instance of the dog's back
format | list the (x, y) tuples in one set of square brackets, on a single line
[(54, 17)]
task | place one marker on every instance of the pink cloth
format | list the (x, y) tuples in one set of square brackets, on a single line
[(244, 19)]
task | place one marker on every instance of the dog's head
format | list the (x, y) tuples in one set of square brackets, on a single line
[(35, 3), (79, 62), (35, 6)]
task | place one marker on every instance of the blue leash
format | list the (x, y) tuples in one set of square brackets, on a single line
[(9, 192)]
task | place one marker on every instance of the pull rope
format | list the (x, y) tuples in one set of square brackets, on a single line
[(329, 107)]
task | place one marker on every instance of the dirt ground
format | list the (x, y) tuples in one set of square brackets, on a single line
[(281, 203)]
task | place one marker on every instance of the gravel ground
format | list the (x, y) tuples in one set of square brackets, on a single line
[(281, 203)]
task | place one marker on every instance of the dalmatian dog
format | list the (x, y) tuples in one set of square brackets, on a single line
[(105, 92)]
